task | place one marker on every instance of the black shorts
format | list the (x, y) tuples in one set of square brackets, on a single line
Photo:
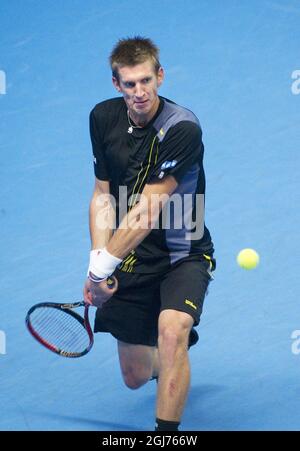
[(131, 315)]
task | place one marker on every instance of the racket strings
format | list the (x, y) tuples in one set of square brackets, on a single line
[(60, 329)]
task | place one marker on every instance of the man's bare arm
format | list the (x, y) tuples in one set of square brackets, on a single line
[(129, 235), (101, 215)]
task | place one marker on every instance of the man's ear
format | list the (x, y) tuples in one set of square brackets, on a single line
[(160, 76), (116, 84)]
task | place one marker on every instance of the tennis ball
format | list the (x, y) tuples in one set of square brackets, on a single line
[(248, 258)]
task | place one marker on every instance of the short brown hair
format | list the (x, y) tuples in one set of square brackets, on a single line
[(133, 51)]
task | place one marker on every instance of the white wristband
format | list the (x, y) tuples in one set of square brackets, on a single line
[(93, 256), (102, 263)]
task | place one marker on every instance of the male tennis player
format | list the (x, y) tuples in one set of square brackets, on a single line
[(146, 147)]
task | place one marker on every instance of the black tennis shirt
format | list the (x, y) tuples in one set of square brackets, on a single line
[(170, 144)]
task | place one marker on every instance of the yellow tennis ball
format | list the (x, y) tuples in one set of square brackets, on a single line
[(248, 258)]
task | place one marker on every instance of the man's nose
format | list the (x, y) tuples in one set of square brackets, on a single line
[(139, 91)]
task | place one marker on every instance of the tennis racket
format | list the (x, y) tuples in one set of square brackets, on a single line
[(61, 329)]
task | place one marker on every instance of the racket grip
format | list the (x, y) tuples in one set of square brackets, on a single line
[(110, 282)]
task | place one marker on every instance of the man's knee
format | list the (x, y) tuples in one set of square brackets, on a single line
[(136, 363), (134, 378), (174, 330), (172, 340)]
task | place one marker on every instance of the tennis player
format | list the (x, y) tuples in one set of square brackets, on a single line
[(160, 253)]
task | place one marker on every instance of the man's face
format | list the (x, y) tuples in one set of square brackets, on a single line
[(139, 85)]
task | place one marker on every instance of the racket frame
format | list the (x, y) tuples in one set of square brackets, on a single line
[(68, 309)]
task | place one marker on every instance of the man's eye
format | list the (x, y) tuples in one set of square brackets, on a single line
[(129, 84), (147, 80)]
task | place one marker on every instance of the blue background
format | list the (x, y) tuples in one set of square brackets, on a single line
[(231, 63)]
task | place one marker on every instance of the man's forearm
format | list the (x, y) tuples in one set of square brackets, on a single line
[(133, 229), (143, 217), (113, 249), (101, 221), (137, 224)]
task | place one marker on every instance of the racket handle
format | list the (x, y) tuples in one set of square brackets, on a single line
[(110, 282)]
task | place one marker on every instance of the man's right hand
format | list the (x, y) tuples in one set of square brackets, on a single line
[(97, 293)]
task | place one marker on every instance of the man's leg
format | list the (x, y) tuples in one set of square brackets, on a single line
[(174, 367), (138, 363)]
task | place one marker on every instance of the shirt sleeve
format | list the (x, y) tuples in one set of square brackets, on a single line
[(100, 165), (181, 148)]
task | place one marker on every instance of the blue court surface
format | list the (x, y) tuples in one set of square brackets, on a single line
[(236, 65)]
